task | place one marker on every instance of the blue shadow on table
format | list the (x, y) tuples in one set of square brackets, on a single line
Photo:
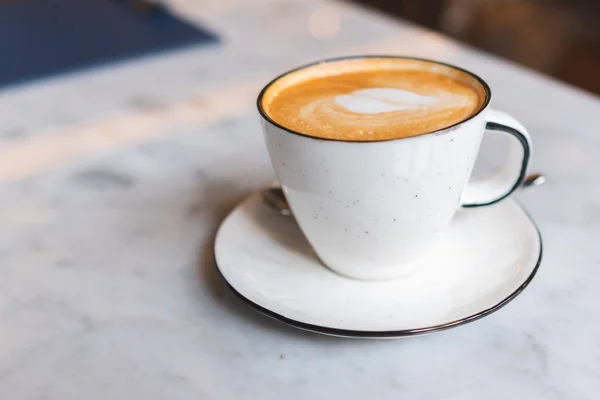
[(41, 38)]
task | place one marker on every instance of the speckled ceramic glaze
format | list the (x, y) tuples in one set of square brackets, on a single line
[(484, 259), (371, 209)]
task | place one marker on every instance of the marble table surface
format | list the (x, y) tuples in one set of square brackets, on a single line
[(113, 182)]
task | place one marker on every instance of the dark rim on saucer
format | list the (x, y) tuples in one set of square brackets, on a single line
[(263, 113), (394, 333)]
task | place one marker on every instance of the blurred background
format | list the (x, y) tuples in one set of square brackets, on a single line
[(560, 38)]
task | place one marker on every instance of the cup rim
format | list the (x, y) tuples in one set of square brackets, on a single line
[(263, 113)]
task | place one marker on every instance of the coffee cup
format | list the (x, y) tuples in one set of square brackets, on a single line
[(375, 155)]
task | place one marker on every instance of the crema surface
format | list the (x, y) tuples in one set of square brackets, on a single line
[(373, 99)]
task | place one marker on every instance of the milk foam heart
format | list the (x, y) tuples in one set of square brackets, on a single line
[(378, 100), (373, 99)]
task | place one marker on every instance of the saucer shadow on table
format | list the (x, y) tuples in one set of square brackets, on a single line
[(42, 38)]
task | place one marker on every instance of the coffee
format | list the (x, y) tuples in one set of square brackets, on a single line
[(370, 99)]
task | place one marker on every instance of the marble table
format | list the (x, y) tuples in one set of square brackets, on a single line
[(113, 182)]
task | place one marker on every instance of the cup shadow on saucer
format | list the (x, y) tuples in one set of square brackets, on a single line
[(284, 230), (209, 276)]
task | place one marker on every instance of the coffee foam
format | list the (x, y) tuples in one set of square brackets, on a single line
[(373, 99)]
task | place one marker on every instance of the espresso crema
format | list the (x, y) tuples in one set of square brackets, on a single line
[(370, 99)]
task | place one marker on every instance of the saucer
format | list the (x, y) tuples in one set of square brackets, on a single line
[(483, 260)]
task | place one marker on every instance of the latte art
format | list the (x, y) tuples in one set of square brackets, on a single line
[(373, 99), (378, 100)]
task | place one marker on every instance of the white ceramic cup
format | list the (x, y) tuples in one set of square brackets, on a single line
[(371, 209)]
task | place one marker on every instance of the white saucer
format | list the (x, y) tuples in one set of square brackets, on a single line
[(483, 261)]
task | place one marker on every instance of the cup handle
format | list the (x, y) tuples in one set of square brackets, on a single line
[(511, 174)]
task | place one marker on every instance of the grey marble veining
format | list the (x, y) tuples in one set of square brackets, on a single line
[(114, 181)]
